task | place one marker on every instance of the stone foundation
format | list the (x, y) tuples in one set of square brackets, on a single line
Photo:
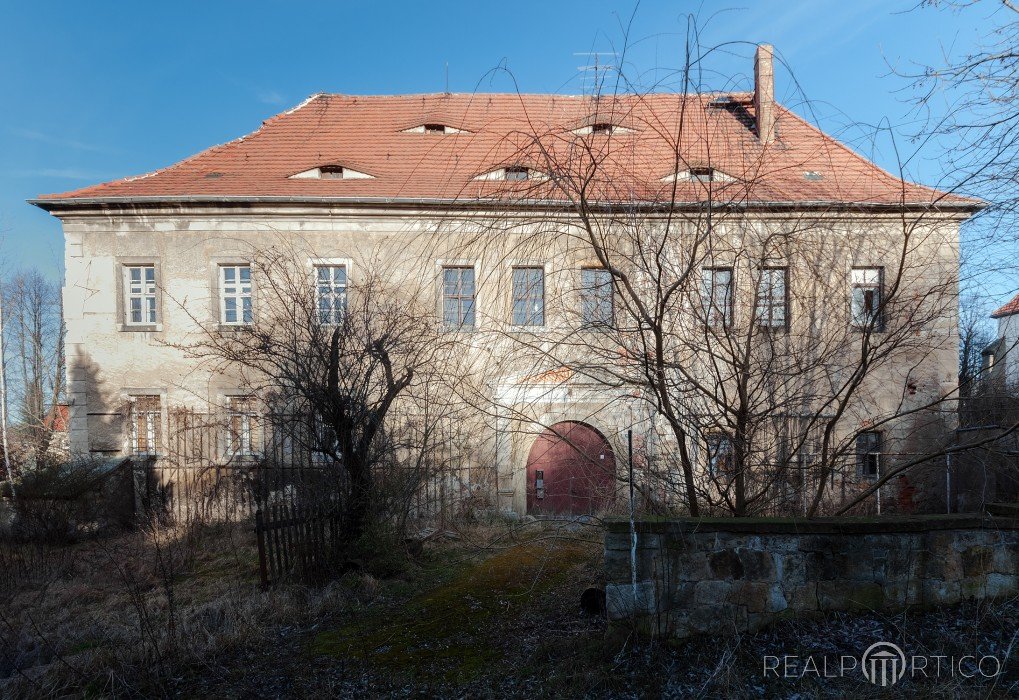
[(726, 576)]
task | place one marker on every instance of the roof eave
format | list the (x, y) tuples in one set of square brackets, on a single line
[(83, 203)]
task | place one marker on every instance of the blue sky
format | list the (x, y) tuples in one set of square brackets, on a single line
[(92, 91)]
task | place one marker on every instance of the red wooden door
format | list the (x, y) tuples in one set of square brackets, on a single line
[(570, 470)]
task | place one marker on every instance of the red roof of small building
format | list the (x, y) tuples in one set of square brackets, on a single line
[(368, 134), (1008, 309)]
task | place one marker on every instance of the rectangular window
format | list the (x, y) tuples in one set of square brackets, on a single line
[(331, 293), (458, 297), (235, 294), (146, 425), (866, 297), (528, 296), (140, 291), (868, 454), (716, 295), (243, 436), (596, 298), (720, 454), (772, 298)]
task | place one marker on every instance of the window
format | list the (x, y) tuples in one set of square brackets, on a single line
[(517, 173), (146, 425), (458, 297), (602, 128), (434, 128), (720, 454), (772, 299), (528, 296), (868, 454), (702, 174), (243, 435), (596, 300), (331, 172), (866, 283), (235, 294), (140, 290), (716, 295), (331, 293)]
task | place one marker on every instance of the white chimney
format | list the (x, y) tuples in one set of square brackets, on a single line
[(764, 92)]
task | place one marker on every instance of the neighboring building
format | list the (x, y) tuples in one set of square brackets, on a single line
[(342, 175), (1000, 358)]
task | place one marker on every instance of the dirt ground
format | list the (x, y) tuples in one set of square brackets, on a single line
[(493, 612)]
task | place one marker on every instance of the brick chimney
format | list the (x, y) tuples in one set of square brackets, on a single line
[(764, 92)]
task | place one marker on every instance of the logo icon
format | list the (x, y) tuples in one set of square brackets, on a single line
[(883, 664)]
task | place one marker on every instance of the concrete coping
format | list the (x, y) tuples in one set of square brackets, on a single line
[(816, 526)]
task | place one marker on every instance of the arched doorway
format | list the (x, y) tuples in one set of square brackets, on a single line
[(571, 470)]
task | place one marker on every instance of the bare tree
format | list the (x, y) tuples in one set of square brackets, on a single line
[(344, 371), (34, 327), (764, 338)]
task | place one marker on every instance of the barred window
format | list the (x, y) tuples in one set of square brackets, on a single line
[(140, 290), (331, 293), (528, 296), (716, 295), (772, 298), (235, 294), (244, 434), (458, 297), (146, 424), (596, 297)]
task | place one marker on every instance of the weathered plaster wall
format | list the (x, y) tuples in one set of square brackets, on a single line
[(717, 576)]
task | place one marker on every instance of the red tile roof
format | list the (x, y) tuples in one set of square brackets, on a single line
[(366, 133), (1008, 309)]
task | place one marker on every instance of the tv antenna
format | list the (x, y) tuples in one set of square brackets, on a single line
[(600, 63)]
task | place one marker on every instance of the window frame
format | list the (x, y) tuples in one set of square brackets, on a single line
[(462, 314), (336, 317), (527, 298), (874, 440), (153, 424), (713, 440), (876, 321), (251, 425), (586, 319), (769, 322), (237, 297), (149, 290), (708, 299)]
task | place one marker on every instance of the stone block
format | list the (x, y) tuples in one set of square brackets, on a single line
[(712, 592), (1001, 585), (976, 560), (791, 568), (759, 597), (725, 564), (938, 592), (621, 602), (757, 565)]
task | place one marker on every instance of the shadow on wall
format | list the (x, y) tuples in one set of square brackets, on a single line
[(105, 420)]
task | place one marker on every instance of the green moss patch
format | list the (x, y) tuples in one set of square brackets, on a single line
[(452, 632)]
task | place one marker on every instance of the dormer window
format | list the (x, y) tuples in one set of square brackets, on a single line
[(601, 129), (332, 172), (701, 174), (516, 173), (433, 128)]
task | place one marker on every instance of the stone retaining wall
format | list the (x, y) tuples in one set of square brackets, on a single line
[(728, 576)]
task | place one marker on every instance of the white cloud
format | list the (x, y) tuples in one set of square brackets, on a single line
[(270, 97)]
